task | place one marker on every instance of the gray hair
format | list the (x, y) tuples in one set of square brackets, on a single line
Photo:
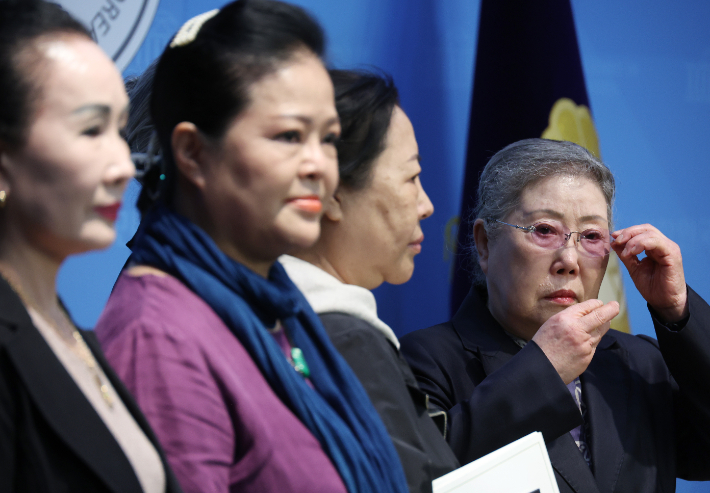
[(525, 163)]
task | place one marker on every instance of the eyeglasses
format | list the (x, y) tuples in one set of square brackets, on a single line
[(553, 235)]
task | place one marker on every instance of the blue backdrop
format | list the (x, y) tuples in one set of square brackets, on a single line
[(647, 67)]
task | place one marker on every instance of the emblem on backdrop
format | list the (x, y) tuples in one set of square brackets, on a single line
[(119, 26)]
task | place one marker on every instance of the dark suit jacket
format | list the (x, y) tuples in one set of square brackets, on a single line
[(51, 438), (645, 427), (394, 392)]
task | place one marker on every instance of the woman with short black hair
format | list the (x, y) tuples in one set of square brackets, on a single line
[(370, 235)]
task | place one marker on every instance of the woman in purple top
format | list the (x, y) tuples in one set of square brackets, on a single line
[(223, 353)]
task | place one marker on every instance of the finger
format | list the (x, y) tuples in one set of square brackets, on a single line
[(630, 235), (584, 308), (659, 248), (599, 332), (648, 242), (623, 237), (625, 234), (600, 318), (641, 242), (595, 337), (619, 247), (631, 262), (603, 329)]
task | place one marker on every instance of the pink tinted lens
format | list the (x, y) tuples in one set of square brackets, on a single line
[(551, 236), (595, 242)]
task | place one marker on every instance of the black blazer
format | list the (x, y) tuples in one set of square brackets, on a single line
[(645, 427), (399, 401), (51, 438)]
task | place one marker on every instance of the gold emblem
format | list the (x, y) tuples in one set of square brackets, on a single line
[(573, 123)]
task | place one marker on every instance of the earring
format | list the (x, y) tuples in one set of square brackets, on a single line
[(3, 198)]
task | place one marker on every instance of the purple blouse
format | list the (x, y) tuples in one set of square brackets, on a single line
[(222, 427)]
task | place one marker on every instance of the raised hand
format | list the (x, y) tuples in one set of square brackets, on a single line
[(570, 338), (659, 276)]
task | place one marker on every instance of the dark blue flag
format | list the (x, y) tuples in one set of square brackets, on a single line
[(528, 82)]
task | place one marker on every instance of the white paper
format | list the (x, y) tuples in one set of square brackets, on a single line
[(520, 467)]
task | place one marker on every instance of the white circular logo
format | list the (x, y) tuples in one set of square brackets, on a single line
[(119, 26)]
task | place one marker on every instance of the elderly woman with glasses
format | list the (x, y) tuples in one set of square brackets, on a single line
[(530, 348)]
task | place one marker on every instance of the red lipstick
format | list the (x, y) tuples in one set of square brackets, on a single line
[(309, 203), (109, 212)]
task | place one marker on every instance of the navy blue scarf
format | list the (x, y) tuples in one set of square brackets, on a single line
[(338, 412)]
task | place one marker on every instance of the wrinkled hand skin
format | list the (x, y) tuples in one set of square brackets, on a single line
[(659, 276), (569, 338)]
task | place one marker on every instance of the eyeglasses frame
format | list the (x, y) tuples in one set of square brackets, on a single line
[(530, 229)]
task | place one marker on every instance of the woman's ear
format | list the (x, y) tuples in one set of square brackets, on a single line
[(480, 237), (188, 153), (333, 209)]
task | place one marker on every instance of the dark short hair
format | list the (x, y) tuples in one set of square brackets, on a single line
[(365, 101), (206, 81), (22, 22), (140, 128)]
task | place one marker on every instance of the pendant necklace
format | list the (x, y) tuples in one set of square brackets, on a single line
[(81, 349)]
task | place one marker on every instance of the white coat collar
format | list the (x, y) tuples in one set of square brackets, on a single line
[(326, 294)]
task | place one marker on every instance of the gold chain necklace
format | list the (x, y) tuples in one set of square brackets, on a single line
[(82, 349)]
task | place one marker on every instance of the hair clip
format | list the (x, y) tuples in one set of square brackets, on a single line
[(144, 163), (150, 168), (188, 31)]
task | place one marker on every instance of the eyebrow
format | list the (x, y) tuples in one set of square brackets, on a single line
[(559, 215), (308, 120), (544, 211), (592, 217), (101, 110), (415, 157)]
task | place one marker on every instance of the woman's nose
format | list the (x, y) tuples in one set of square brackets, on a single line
[(316, 160), (424, 205), (122, 168), (567, 259)]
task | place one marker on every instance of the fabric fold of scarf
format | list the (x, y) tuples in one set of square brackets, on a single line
[(336, 410)]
